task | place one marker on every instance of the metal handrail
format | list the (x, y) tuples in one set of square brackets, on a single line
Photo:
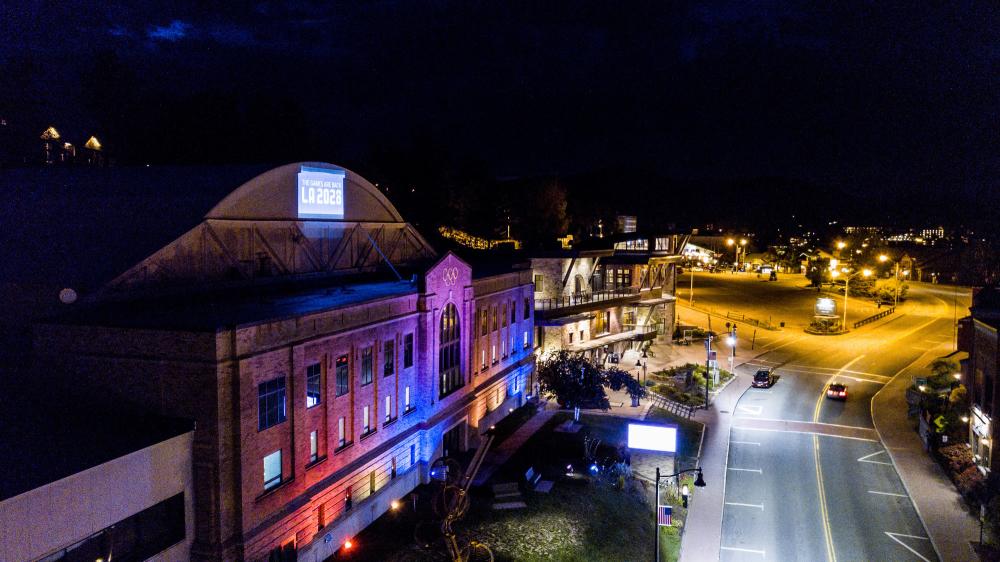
[(584, 298)]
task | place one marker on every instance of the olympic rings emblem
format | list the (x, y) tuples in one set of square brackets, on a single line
[(450, 276)]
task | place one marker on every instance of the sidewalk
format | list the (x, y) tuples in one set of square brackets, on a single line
[(940, 507)]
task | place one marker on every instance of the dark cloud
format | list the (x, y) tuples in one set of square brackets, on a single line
[(174, 31)]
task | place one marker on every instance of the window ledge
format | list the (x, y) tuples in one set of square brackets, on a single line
[(368, 433), (315, 462), (343, 447), (274, 489), (390, 422)]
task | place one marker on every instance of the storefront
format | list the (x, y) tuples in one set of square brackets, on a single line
[(980, 438)]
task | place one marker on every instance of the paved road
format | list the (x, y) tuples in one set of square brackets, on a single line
[(807, 477)]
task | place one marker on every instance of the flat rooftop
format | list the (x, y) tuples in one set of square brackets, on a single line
[(43, 441), (244, 306)]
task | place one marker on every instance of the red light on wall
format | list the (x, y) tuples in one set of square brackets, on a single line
[(348, 545)]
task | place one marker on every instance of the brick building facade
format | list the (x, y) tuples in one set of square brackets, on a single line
[(321, 389)]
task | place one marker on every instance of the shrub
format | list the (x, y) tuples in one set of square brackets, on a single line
[(957, 458), (969, 482)]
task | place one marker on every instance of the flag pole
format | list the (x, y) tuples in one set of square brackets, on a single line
[(656, 519)]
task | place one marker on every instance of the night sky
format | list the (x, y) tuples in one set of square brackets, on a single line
[(878, 99)]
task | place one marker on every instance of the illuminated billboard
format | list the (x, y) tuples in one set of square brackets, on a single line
[(320, 193), (826, 307), (652, 437)]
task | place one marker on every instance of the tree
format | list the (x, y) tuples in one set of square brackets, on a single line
[(818, 272), (575, 381), (618, 379)]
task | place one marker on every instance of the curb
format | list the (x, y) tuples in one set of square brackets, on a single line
[(893, 458)]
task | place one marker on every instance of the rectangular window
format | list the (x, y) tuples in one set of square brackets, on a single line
[(503, 316), (484, 358), (496, 324), (494, 353), (272, 470), (407, 351), (413, 455), (371, 482), (313, 446), (512, 342), (407, 398), (525, 339), (367, 366), (314, 376), (270, 403), (367, 420), (389, 357), (321, 516), (538, 283), (581, 335), (513, 313), (484, 321), (527, 308), (343, 375), (571, 337), (341, 432), (388, 407), (503, 348)]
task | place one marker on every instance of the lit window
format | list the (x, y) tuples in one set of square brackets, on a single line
[(367, 366), (341, 432), (503, 348), (413, 455), (538, 283), (314, 376), (496, 324), (408, 351), (343, 376), (449, 360), (388, 407), (272, 470), (484, 358), (407, 398), (366, 417), (503, 316), (493, 355), (313, 446), (270, 403), (526, 339)]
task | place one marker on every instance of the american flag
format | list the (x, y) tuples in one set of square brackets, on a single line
[(663, 515)]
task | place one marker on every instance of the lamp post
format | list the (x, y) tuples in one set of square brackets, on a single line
[(736, 253), (699, 482), (847, 283)]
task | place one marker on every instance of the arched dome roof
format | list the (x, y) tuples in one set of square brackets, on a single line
[(274, 195)]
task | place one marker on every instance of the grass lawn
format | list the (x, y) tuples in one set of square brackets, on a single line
[(582, 519)]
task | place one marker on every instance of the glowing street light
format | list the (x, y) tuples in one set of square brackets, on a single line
[(847, 281)]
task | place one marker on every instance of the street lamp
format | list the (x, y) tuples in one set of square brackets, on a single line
[(699, 482), (847, 282), (736, 253)]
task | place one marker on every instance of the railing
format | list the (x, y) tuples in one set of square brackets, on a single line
[(671, 406), (647, 329), (746, 319), (584, 298), (875, 317)]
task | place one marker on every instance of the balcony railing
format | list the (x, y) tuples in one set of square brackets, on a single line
[(639, 330), (585, 298)]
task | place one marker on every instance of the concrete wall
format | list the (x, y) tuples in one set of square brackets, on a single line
[(59, 514)]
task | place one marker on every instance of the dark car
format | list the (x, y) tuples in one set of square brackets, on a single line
[(763, 378), (837, 391)]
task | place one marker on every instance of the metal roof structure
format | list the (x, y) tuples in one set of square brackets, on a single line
[(257, 234)]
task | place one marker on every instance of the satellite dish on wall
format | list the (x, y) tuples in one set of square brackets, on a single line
[(67, 296)]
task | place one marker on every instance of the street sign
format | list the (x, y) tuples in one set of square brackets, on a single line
[(826, 306), (712, 355)]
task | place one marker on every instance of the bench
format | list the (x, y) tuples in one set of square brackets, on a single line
[(531, 477)]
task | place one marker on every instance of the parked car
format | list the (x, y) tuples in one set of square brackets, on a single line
[(837, 391), (763, 378)]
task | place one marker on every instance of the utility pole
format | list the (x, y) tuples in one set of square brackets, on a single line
[(708, 365)]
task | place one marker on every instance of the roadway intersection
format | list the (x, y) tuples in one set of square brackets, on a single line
[(807, 478)]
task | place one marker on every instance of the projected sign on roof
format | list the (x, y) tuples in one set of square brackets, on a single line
[(321, 193)]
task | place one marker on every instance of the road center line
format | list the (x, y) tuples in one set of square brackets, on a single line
[(822, 394), (736, 549), (746, 443), (831, 554), (888, 494), (760, 507), (757, 470)]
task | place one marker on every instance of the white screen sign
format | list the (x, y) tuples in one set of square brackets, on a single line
[(321, 193), (652, 437), (826, 307)]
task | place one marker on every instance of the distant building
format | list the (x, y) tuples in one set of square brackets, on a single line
[(626, 223), (327, 352), (980, 376), (606, 296), (94, 487)]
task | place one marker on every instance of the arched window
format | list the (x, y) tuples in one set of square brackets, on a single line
[(449, 360)]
